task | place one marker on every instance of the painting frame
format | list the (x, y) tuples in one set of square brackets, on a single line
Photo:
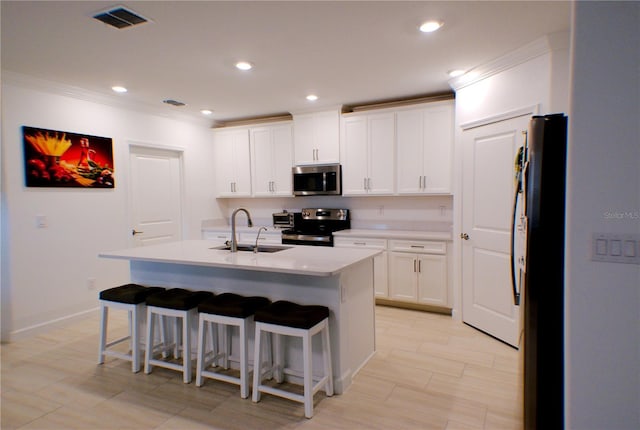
[(54, 158)]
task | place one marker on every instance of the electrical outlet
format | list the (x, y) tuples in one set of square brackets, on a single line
[(91, 284), (41, 221)]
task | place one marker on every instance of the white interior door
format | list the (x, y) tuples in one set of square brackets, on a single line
[(155, 195), (488, 188)]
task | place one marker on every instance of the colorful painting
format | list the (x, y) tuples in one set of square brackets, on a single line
[(61, 159)]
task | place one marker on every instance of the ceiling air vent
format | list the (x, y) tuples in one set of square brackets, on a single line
[(173, 102), (119, 17)]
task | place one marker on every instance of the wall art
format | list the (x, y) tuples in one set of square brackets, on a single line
[(61, 159)]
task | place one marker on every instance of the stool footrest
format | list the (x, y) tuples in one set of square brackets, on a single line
[(166, 364), (120, 355), (117, 341)]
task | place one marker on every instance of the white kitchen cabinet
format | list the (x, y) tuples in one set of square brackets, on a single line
[(367, 152), (380, 265), (232, 162), (316, 137), (418, 272), (425, 148), (217, 235), (271, 160)]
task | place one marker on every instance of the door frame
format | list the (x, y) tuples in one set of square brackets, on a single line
[(132, 144), (534, 109)]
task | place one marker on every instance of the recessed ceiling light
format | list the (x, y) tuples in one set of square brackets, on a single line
[(244, 65), (119, 89), (456, 73), (430, 26), (206, 112), (312, 97)]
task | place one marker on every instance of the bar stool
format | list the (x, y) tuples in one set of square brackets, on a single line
[(130, 298), (226, 310), (291, 319), (182, 305)]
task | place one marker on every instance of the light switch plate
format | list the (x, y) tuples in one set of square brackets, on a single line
[(616, 248)]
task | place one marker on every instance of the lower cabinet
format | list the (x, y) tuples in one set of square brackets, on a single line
[(380, 272), (418, 272)]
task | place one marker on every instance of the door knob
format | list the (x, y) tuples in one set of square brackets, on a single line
[(134, 232), (464, 236)]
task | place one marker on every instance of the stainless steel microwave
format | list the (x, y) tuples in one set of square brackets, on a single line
[(317, 180)]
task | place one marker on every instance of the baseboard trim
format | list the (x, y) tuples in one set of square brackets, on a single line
[(49, 325), (413, 306)]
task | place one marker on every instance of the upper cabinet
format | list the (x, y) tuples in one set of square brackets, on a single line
[(425, 148), (272, 158), (232, 161), (316, 137), (367, 154)]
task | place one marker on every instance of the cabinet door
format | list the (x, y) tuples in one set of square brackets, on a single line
[(410, 161), (232, 161), (262, 155), (432, 279), (403, 276), (316, 138), (438, 149), (282, 160), (271, 150), (327, 137), (381, 151), (354, 155), (381, 275), (303, 139)]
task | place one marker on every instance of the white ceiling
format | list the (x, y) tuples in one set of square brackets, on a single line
[(346, 52)]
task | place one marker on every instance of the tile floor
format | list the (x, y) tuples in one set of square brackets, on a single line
[(429, 372)]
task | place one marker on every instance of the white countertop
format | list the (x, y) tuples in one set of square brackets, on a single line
[(395, 234), (301, 260)]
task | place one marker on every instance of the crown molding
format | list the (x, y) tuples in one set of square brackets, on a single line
[(115, 101), (538, 47)]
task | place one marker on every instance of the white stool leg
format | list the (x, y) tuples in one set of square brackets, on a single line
[(326, 357), (257, 364), (186, 346), (104, 312), (149, 348), (308, 374), (135, 337), (244, 360), (202, 328), (278, 356)]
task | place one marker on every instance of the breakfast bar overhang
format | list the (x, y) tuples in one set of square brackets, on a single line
[(339, 278)]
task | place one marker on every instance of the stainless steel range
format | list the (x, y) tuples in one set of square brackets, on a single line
[(315, 226)]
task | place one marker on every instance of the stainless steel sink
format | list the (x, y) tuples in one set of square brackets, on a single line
[(251, 248)]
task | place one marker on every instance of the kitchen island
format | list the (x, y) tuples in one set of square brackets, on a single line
[(339, 278)]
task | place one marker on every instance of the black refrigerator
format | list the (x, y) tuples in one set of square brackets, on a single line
[(543, 185)]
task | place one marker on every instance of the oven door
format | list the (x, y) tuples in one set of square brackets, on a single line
[(306, 239)]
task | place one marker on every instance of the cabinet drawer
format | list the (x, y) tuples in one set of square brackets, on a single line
[(358, 242), (250, 237), (418, 246), (216, 235)]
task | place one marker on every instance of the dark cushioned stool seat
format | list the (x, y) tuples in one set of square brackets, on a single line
[(292, 314), (178, 298), (233, 305), (129, 293)]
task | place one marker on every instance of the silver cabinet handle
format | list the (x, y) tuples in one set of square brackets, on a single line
[(414, 265), (134, 232), (419, 266), (368, 183)]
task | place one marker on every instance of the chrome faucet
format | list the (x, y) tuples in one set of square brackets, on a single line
[(255, 248), (234, 239)]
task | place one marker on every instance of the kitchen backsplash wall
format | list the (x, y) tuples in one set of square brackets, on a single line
[(426, 213)]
